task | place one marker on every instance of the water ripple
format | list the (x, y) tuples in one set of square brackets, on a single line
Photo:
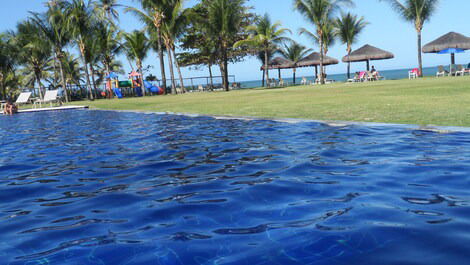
[(98, 187)]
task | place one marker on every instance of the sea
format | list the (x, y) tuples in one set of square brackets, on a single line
[(388, 74)]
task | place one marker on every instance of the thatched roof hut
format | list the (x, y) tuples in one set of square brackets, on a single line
[(314, 60), (367, 53), (448, 41), (279, 63)]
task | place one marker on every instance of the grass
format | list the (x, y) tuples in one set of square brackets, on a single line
[(428, 101)]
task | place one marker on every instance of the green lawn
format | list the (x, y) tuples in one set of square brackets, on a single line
[(428, 101)]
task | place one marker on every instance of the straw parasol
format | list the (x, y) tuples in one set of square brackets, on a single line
[(368, 53), (450, 43), (314, 60), (279, 63)]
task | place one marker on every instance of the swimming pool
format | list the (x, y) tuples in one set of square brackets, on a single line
[(99, 187)]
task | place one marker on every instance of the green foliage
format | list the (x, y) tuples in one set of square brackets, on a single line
[(415, 11), (348, 27), (294, 52)]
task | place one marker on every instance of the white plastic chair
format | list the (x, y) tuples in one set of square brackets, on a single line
[(50, 97), (23, 98)]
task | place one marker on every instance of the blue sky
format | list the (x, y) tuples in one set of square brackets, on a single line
[(386, 30)]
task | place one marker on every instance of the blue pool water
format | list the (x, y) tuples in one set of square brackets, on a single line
[(96, 187)]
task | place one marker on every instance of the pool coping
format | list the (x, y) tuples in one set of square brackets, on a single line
[(332, 123)]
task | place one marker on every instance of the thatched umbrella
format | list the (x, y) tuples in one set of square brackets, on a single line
[(368, 53), (449, 43), (279, 63), (314, 60)]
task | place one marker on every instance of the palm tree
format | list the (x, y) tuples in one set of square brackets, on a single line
[(320, 13), (52, 25), (264, 34), (173, 27), (136, 46), (327, 39), (7, 62), (417, 12), (35, 51), (295, 52), (73, 71), (152, 15), (79, 23), (108, 40), (261, 57), (347, 29), (107, 9), (224, 21)]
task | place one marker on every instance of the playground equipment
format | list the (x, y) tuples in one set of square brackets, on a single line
[(130, 87), (152, 88), (112, 85), (135, 78)]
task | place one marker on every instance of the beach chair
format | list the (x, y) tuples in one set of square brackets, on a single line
[(467, 70), (23, 98), (362, 76), (200, 88), (304, 81), (441, 71), (413, 74), (50, 97), (378, 76), (460, 70), (370, 76)]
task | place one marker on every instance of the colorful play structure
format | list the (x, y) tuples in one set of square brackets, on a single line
[(130, 87)]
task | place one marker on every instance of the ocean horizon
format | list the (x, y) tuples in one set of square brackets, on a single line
[(388, 74)]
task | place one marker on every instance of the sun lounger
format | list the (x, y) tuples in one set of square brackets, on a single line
[(23, 98), (51, 96), (460, 70), (413, 74), (441, 71)]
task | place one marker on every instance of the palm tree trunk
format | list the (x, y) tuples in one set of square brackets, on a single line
[(210, 75), (160, 57), (266, 62), (322, 79), (262, 84), (38, 80), (139, 66), (62, 77), (92, 69), (349, 63), (170, 62), (87, 73), (179, 71), (225, 62), (420, 59), (294, 74), (2, 87)]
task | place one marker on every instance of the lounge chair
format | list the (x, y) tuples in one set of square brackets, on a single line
[(460, 70), (441, 71), (413, 74), (200, 88), (51, 96), (378, 76), (304, 81), (23, 98)]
